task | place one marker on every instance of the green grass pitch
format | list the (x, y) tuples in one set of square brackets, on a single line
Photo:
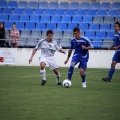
[(23, 98)]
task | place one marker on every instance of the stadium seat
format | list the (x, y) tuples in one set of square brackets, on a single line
[(71, 26), (90, 35), (117, 18), (105, 5), (55, 19), (3, 18), (25, 33), (77, 19), (43, 5), (43, 35), (51, 26), (39, 11), (30, 26), (102, 13), (109, 35), (85, 5), (7, 11), (94, 27), (107, 43), (34, 18), (40, 26), (28, 11), (60, 12), (81, 12), (22, 4), (83, 26), (1, 11), (70, 12), (49, 12), (104, 27), (66, 19), (95, 5), (53, 5), (100, 35), (31, 42), (14, 18), (12, 4), (36, 34), (74, 5), (109, 19), (87, 19), (91, 12), (22, 41), (113, 13), (33, 4), (68, 34), (58, 34), (64, 5), (24, 18), (65, 42), (18, 11), (20, 25), (82, 33), (98, 19), (62, 26), (116, 5), (112, 27), (97, 44), (8, 25), (3, 4), (45, 19)]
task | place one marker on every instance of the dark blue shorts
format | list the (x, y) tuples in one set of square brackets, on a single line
[(116, 56)]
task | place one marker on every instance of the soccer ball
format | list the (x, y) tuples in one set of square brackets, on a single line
[(66, 83)]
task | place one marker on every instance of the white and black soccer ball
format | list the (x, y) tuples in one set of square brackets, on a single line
[(66, 83)]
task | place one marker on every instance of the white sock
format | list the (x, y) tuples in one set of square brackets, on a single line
[(43, 74), (57, 77)]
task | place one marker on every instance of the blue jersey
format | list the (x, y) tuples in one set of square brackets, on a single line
[(116, 39)]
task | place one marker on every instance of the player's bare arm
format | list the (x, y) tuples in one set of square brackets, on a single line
[(33, 53), (69, 54), (62, 51), (87, 48)]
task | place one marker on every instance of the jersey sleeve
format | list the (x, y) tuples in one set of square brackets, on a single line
[(38, 46), (88, 43)]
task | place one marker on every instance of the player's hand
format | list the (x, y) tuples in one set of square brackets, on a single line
[(83, 47), (66, 62), (115, 48), (64, 52), (30, 60)]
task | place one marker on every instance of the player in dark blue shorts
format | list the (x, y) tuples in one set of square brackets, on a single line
[(116, 57), (81, 45)]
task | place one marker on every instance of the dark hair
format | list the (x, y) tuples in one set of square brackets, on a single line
[(76, 29), (117, 22), (49, 32)]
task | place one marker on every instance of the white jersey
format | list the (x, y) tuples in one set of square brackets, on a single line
[(48, 48)]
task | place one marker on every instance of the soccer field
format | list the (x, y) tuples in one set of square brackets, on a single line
[(23, 98)]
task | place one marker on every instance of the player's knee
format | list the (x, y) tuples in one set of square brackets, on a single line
[(42, 66), (81, 71), (113, 64)]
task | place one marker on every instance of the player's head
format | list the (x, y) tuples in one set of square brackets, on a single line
[(117, 26), (49, 35), (76, 33), (1, 25), (13, 26)]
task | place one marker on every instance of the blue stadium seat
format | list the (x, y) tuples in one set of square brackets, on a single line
[(23, 4), (94, 27), (104, 27), (113, 13), (97, 44), (55, 19), (40, 26), (20, 25), (49, 12), (43, 5), (74, 5), (53, 5), (71, 26), (45, 19), (62, 26), (95, 5), (36, 34), (85, 5), (31, 42), (109, 35), (64, 5), (1, 11), (68, 34), (60, 12), (3, 18), (7, 11), (8, 25), (107, 43), (14, 18), (33, 4), (70, 12), (18, 11), (22, 41), (102, 13), (91, 12), (58, 34), (98, 19), (51, 26), (116, 5), (43, 34), (90, 35), (24, 18), (30, 26), (25, 33), (65, 42), (81, 12), (100, 35), (12, 4), (28, 11), (3, 4), (34, 18), (39, 11), (87, 19), (77, 19), (66, 19), (117, 18), (112, 27), (105, 5), (83, 26), (109, 19)]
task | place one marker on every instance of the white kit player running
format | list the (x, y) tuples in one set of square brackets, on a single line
[(48, 47)]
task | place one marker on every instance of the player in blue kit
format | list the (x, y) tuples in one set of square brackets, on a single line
[(81, 55), (116, 57)]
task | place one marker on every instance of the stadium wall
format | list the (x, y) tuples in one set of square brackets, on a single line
[(98, 58)]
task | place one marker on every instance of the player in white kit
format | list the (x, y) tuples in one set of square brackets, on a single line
[(48, 47)]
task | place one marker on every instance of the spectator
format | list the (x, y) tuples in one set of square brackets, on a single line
[(14, 34), (2, 35)]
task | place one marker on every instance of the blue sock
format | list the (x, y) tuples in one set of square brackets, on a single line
[(111, 72), (70, 71), (83, 77)]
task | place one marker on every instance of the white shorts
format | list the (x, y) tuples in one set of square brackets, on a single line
[(50, 61)]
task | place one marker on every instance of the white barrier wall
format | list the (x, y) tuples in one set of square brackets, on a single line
[(98, 58)]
